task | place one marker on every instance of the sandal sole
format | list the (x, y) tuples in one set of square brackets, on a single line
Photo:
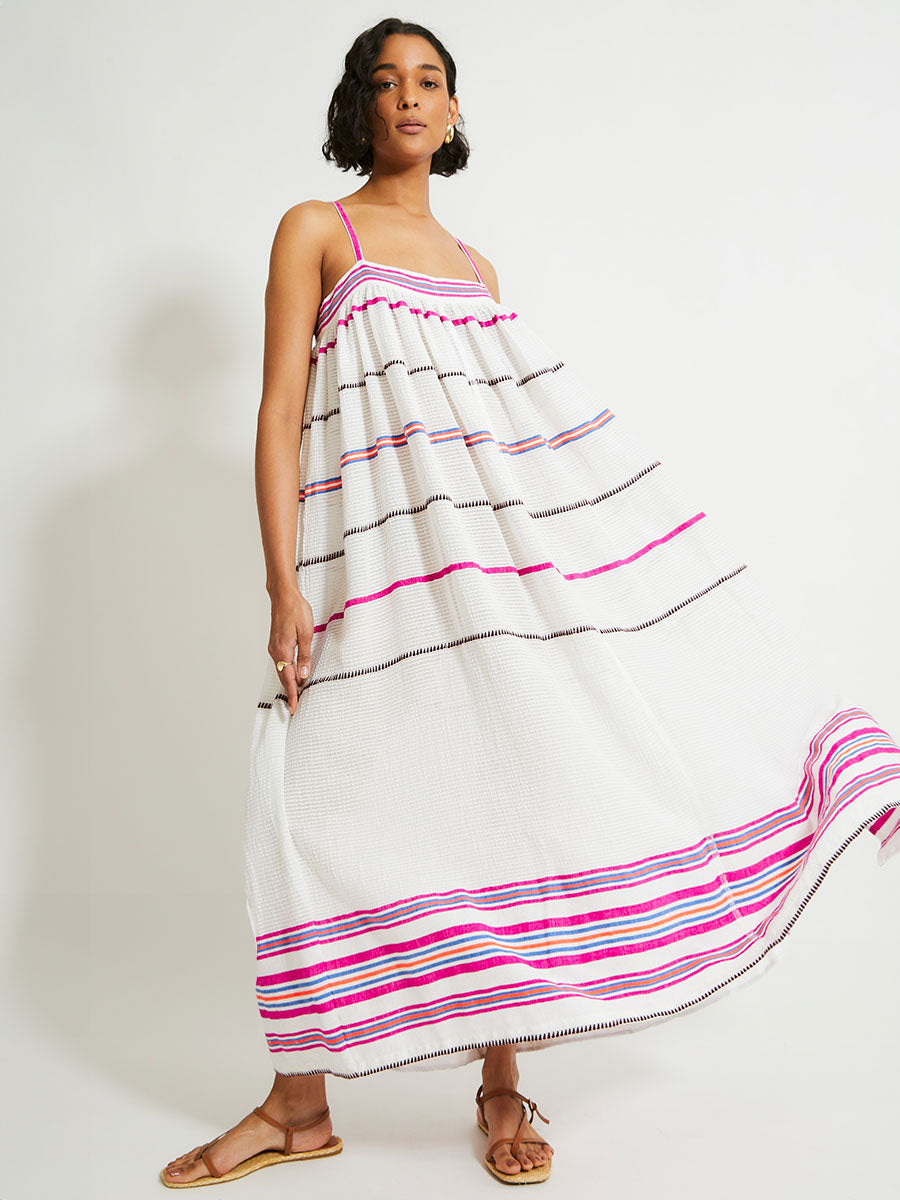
[(266, 1158)]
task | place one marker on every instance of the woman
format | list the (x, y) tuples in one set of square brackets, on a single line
[(557, 771)]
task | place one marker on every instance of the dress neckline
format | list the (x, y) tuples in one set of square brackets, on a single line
[(478, 289), (361, 258)]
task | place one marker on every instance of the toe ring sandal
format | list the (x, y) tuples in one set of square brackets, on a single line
[(266, 1158), (536, 1174)]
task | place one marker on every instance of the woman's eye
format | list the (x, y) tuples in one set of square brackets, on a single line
[(385, 83)]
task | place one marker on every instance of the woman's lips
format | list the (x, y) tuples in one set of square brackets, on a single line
[(410, 128)]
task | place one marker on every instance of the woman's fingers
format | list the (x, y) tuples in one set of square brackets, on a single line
[(292, 674), (288, 677), (292, 630)]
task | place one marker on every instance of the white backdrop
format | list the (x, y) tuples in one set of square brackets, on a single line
[(697, 204)]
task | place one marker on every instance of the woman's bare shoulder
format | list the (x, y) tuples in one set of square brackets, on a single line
[(303, 235), (307, 219)]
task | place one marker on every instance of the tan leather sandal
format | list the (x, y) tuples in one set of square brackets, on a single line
[(535, 1174), (266, 1158)]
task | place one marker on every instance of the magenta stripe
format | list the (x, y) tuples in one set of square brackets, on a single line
[(511, 569), (422, 312), (502, 896), (273, 945), (880, 821), (364, 270)]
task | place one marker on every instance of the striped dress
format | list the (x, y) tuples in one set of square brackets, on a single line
[(557, 770)]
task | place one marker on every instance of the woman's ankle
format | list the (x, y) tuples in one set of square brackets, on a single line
[(296, 1097), (500, 1069)]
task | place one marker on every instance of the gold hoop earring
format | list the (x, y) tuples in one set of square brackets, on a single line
[(449, 134)]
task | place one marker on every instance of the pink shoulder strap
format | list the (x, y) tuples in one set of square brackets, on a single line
[(472, 261), (353, 238)]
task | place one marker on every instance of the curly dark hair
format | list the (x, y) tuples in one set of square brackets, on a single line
[(347, 129)]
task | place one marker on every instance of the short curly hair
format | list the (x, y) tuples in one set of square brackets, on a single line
[(345, 145)]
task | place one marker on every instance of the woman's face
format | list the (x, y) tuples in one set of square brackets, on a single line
[(411, 86)]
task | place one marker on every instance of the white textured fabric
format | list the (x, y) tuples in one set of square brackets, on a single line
[(558, 770)]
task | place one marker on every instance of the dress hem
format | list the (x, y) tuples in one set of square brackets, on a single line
[(542, 1040)]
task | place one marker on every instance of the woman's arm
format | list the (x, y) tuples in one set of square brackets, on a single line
[(293, 294), (292, 302)]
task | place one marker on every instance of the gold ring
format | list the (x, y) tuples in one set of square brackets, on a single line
[(279, 666)]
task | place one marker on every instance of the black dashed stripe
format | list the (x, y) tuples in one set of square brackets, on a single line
[(473, 381), (488, 633), (410, 510)]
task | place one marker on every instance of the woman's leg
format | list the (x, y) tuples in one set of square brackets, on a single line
[(503, 1113), (293, 1099)]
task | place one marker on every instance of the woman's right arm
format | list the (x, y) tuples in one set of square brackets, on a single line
[(293, 294)]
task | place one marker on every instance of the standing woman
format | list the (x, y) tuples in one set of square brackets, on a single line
[(534, 759)]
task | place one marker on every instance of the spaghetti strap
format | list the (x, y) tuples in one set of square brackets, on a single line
[(353, 238), (471, 260)]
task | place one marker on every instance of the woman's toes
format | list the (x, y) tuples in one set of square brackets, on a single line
[(183, 1168), (190, 1171), (509, 1164)]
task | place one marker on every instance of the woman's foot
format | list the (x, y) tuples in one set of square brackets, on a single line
[(294, 1099), (502, 1114)]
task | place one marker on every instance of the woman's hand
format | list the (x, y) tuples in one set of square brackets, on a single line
[(292, 630)]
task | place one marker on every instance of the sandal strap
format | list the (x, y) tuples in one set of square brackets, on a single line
[(289, 1129), (515, 1142), (481, 1096), (204, 1155), (499, 1142)]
